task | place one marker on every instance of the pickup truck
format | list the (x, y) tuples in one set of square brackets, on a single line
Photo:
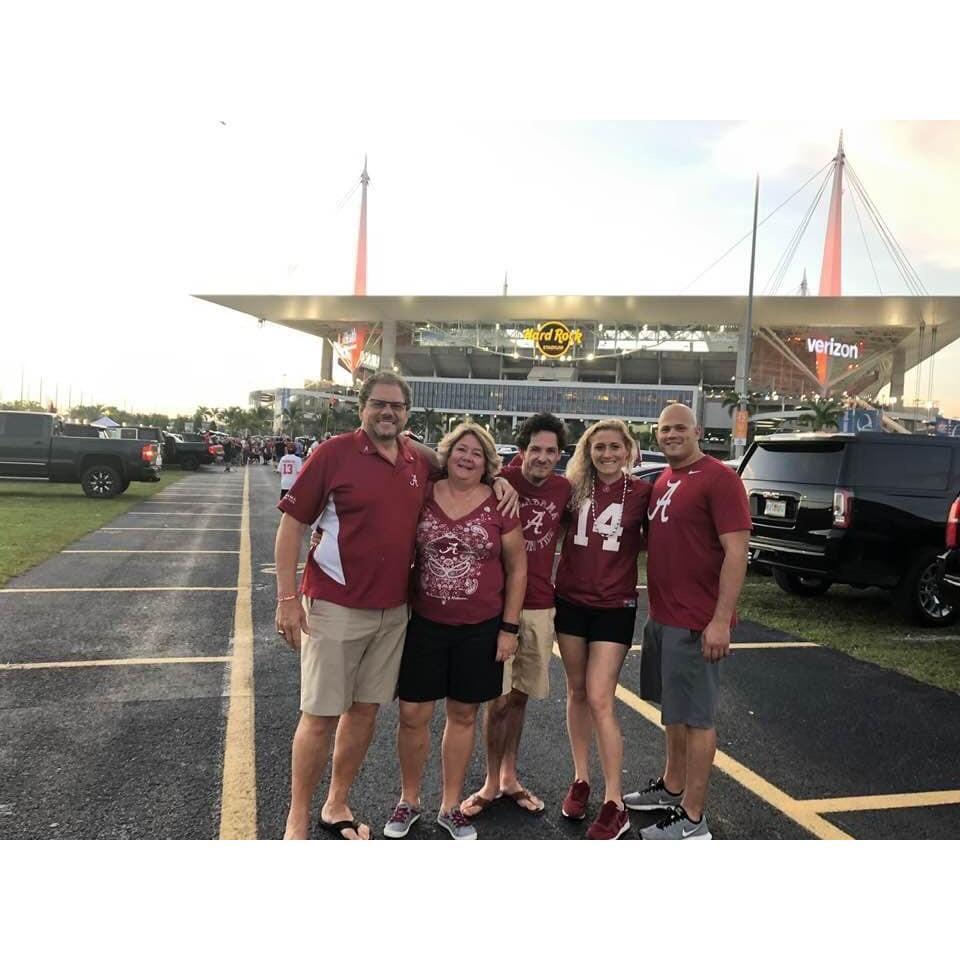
[(34, 445), (189, 452)]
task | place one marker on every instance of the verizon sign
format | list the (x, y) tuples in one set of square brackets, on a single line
[(833, 348)]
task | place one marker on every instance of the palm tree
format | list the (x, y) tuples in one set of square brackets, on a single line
[(431, 421), (824, 414), (293, 419), (731, 401)]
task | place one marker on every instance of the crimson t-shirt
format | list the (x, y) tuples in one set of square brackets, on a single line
[(598, 564), (459, 569), (541, 514), (367, 510), (689, 509)]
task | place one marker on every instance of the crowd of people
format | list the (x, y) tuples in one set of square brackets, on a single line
[(262, 450), (479, 623)]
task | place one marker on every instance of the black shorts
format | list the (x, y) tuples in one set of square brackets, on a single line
[(456, 662), (611, 624)]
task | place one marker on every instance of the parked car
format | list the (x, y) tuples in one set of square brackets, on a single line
[(35, 445), (81, 430), (948, 564), (142, 433), (190, 451), (507, 451), (867, 510)]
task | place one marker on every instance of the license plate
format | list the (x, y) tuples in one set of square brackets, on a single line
[(775, 508)]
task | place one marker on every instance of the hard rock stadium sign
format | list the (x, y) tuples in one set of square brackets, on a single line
[(553, 339)]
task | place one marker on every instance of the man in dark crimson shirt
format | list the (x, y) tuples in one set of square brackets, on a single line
[(367, 489), (698, 533), (543, 498)]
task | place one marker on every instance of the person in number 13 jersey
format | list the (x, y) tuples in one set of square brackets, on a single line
[(596, 602)]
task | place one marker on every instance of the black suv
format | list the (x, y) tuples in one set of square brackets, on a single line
[(868, 510)]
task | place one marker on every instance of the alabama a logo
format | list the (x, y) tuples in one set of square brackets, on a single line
[(663, 501)]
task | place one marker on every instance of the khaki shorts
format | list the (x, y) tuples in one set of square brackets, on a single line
[(528, 670), (350, 656)]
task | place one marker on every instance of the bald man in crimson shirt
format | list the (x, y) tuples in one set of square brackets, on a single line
[(698, 532)]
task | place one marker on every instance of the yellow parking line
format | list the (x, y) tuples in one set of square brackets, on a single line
[(238, 802), (796, 810), (149, 551), (132, 662), (889, 801), (108, 589)]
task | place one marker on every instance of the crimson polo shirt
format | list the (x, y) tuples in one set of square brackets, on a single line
[(367, 510)]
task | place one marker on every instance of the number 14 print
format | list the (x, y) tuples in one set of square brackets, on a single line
[(607, 525)]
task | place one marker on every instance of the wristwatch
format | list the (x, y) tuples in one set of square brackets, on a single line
[(509, 627)]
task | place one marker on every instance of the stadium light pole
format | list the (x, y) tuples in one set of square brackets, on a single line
[(741, 415)]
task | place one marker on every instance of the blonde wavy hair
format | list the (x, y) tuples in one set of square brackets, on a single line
[(484, 438), (580, 468)]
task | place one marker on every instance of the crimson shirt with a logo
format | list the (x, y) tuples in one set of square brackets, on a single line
[(459, 569), (541, 514), (689, 509), (598, 564), (367, 509)]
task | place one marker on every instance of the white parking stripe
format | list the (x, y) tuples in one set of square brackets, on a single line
[(112, 589), (134, 662), (173, 529), (150, 551)]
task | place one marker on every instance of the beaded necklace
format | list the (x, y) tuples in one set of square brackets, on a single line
[(593, 509)]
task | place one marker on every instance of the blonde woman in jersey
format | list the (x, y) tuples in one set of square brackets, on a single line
[(596, 603)]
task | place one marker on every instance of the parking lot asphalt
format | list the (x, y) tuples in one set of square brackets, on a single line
[(144, 693)]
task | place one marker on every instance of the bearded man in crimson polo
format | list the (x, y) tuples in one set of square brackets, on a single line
[(698, 533), (363, 491)]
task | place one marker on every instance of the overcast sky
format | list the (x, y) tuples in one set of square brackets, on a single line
[(210, 151)]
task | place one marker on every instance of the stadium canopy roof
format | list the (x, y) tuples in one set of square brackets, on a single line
[(317, 314), (328, 316)]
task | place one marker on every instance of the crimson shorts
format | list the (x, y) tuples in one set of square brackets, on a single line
[(611, 624)]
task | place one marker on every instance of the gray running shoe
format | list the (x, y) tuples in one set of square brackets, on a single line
[(404, 816), (457, 825), (676, 825), (653, 797)]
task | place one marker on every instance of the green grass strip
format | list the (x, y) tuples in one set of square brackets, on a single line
[(860, 623), (38, 519)]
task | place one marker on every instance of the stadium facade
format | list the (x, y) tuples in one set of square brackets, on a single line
[(591, 356)]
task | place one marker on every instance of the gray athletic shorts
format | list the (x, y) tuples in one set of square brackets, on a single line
[(674, 674)]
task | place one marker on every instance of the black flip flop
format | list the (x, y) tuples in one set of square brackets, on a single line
[(337, 828)]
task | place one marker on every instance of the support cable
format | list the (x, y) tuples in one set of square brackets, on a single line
[(747, 235), (900, 257), (898, 260), (853, 199), (783, 264)]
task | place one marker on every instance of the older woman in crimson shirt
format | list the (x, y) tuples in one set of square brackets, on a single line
[(471, 574)]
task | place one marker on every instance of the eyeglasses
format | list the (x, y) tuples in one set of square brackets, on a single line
[(383, 404)]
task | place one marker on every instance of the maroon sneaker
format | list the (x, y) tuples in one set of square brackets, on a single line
[(611, 823), (575, 802)]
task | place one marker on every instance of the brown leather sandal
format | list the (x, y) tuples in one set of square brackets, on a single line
[(518, 796), (475, 800)]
